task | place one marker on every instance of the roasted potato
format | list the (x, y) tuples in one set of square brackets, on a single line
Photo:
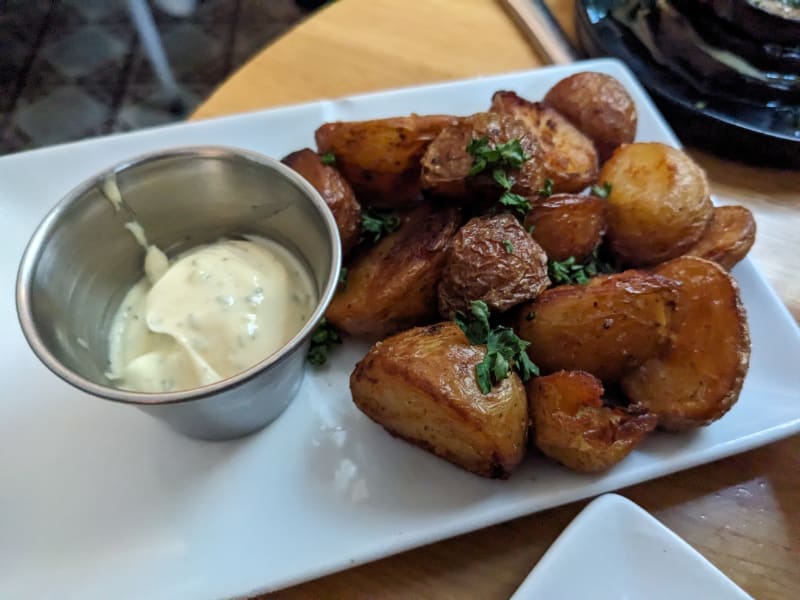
[(607, 327), (495, 260), (447, 162), (569, 157), (698, 377), (381, 158), (420, 386), (392, 285), (567, 225), (570, 424), (336, 192), (599, 106), (729, 236), (659, 204)]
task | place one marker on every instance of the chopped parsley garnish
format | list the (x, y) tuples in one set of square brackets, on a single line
[(500, 158), (508, 246), (342, 278), (547, 189), (531, 228), (504, 349), (378, 223), (570, 271), (323, 339), (329, 158), (601, 191), (507, 155)]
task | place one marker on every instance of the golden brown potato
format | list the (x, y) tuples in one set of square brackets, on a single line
[(699, 376), (381, 158), (607, 327), (599, 106), (729, 236), (420, 386), (569, 157), (495, 260), (570, 424), (567, 225), (392, 285), (659, 205), (336, 192), (446, 163)]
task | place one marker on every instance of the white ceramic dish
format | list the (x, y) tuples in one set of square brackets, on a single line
[(99, 500), (614, 549)]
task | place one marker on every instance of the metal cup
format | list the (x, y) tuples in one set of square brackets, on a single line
[(81, 261)]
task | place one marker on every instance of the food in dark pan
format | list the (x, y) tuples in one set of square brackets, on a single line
[(381, 158), (336, 192), (495, 260), (569, 158), (570, 424), (392, 285), (607, 327), (599, 106), (567, 225), (698, 377), (659, 204), (729, 236), (450, 167), (419, 386), (541, 316)]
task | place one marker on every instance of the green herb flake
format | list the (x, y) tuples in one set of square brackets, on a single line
[(601, 191), (378, 223), (515, 202), (508, 246), (504, 349), (531, 229), (547, 189), (324, 338), (570, 271), (342, 284), (329, 158), (508, 155)]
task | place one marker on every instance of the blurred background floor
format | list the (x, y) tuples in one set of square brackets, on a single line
[(71, 69)]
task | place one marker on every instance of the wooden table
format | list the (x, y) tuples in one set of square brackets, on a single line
[(742, 513)]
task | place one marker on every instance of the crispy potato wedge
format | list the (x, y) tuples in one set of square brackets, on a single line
[(567, 225), (381, 158), (569, 157), (659, 205), (392, 285), (336, 192), (698, 377), (446, 163), (607, 327), (495, 260), (420, 386), (570, 424), (599, 106), (729, 236)]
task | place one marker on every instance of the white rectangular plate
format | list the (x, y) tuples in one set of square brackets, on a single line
[(99, 500), (621, 551)]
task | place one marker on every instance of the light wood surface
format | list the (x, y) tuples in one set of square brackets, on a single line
[(742, 513)]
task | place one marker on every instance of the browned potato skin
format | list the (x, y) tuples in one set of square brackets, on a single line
[(569, 157), (599, 106), (336, 192), (607, 327), (729, 236), (381, 158), (567, 225), (659, 205), (446, 163), (392, 285), (570, 424), (420, 386), (479, 267), (699, 376)]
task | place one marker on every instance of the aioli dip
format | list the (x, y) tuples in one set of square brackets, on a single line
[(213, 312)]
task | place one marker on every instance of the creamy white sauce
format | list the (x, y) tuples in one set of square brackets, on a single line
[(216, 311)]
